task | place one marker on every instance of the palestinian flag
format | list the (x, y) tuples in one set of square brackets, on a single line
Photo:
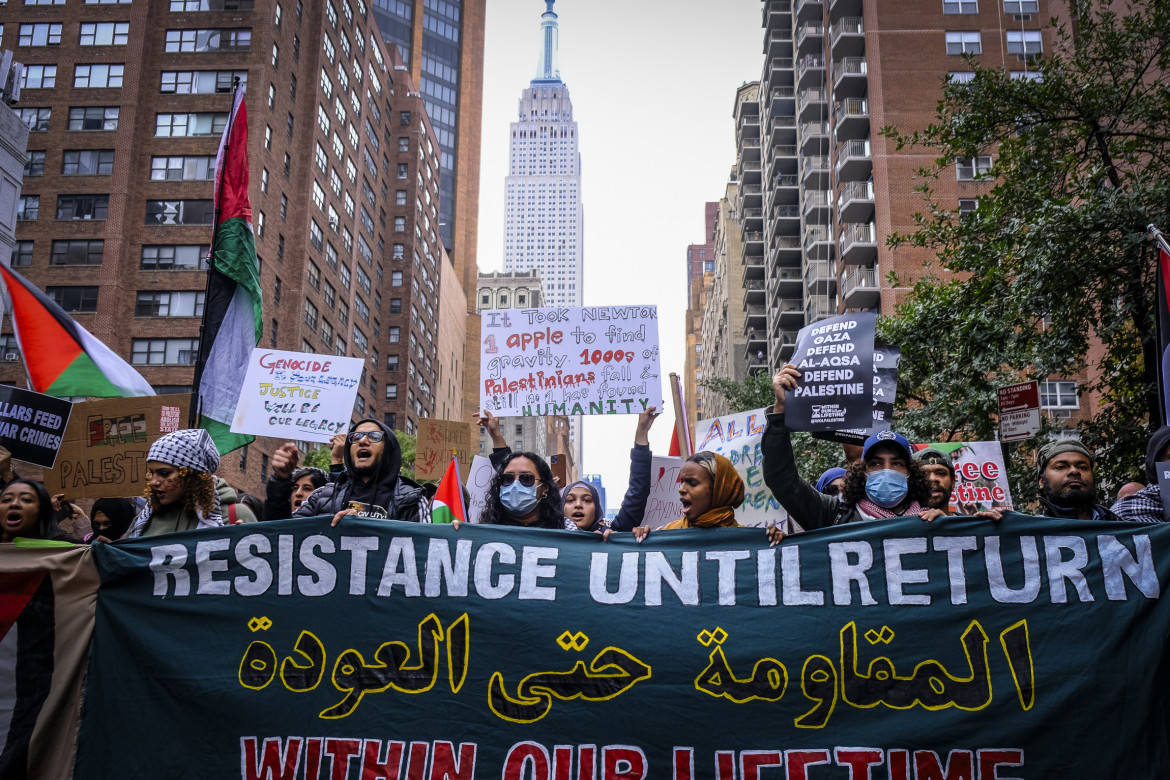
[(61, 357), (233, 315), (447, 505)]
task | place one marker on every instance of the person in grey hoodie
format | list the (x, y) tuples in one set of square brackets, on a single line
[(371, 484)]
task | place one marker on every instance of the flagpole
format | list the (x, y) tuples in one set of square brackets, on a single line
[(1159, 239), (1153, 233), (201, 354)]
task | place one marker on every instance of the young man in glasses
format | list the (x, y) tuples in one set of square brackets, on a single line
[(370, 484)]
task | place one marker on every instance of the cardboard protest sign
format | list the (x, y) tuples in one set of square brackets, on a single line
[(981, 479), (737, 437), (662, 505), (436, 440), (32, 425), (382, 649), (297, 395), (580, 360), (835, 358), (478, 480), (885, 389), (103, 454)]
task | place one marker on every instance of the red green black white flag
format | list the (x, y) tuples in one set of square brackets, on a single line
[(233, 319), (60, 357)]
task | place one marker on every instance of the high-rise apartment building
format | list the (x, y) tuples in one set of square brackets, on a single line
[(126, 103), (836, 71), (700, 275)]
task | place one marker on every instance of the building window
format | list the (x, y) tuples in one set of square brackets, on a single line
[(310, 315), (39, 35), (1024, 42), (34, 164), (187, 125), (211, 40), (74, 299), (92, 118), (22, 254), (105, 34), (78, 252), (82, 206), (395, 305), (1021, 6), (97, 76), (391, 362), (178, 6), (37, 119), (967, 169), (163, 352), (169, 304), (186, 168), (38, 77), (179, 212), (960, 7), (87, 162), (392, 392), (967, 207), (1059, 397), (174, 257), (393, 334), (964, 43)]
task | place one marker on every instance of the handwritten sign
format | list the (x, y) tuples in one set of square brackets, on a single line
[(835, 358), (737, 437), (581, 360), (662, 505), (297, 395), (477, 482), (32, 424), (436, 440), (103, 454)]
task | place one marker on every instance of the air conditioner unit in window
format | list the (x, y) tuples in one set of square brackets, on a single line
[(10, 356)]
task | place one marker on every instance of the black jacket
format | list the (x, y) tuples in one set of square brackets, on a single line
[(402, 498)]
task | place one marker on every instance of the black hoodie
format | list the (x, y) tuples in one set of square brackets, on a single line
[(387, 489)]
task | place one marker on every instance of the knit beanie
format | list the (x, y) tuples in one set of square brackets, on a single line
[(1054, 448)]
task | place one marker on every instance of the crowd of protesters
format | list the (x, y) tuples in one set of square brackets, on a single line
[(884, 478)]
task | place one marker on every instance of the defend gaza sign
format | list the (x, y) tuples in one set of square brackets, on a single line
[(835, 358), (580, 360)]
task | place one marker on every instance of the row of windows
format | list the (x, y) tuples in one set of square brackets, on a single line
[(74, 162), (1018, 42), (90, 34), (1009, 6), (84, 76), (158, 212), (155, 257), (170, 303), (80, 118)]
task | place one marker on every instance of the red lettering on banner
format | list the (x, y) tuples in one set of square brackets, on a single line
[(990, 758), (623, 762), (684, 763), (587, 762), (521, 755), (446, 767), (927, 766), (859, 760), (275, 763), (341, 751), (375, 766), (899, 762), (562, 762), (313, 757), (799, 759), (725, 765), (416, 764), (750, 762)]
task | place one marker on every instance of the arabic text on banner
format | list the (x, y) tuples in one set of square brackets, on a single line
[(568, 361)]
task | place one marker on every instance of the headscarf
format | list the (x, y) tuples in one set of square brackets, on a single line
[(830, 476), (598, 516), (120, 512), (726, 496), (190, 448)]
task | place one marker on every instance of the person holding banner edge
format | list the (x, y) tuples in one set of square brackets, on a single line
[(886, 482)]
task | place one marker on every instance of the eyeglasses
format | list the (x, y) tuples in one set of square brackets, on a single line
[(374, 436), (527, 480)]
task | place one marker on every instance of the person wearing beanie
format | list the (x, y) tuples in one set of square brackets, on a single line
[(583, 507), (939, 471), (886, 482), (832, 481), (1145, 505), (182, 491), (1064, 468)]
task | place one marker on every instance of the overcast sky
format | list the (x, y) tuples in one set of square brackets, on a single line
[(653, 87)]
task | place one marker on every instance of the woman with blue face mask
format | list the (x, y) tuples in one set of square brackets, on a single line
[(522, 493)]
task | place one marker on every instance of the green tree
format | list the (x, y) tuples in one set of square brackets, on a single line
[(317, 457), (754, 391), (1052, 272)]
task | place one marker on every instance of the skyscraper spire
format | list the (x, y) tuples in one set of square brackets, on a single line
[(547, 70)]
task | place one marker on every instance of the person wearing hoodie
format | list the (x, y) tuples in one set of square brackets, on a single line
[(583, 507), (182, 491), (370, 485), (1145, 505)]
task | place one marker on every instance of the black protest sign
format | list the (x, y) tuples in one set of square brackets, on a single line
[(835, 359), (32, 425), (885, 387)]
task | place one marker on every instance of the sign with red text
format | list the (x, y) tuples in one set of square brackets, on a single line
[(576, 360), (737, 437), (297, 395), (1019, 411), (436, 442), (663, 505), (981, 479)]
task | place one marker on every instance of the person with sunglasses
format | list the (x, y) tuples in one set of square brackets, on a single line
[(522, 493), (371, 484), (832, 481)]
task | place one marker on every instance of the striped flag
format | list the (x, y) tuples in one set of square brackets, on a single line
[(233, 318), (61, 357), (447, 505)]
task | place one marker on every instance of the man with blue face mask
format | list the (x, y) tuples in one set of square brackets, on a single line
[(886, 482)]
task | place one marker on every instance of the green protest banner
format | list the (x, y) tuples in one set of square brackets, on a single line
[(1031, 648)]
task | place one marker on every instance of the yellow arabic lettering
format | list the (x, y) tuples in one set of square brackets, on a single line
[(300, 678), (768, 681), (818, 681), (1018, 650), (258, 666)]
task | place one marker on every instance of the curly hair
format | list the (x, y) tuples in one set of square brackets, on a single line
[(854, 490), (198, 492), (551, 509)]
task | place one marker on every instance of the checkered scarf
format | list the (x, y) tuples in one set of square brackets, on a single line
[(190, 448), (1144, 506)]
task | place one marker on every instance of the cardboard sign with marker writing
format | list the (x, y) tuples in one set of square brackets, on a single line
[(103, 454), (436, 440)]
